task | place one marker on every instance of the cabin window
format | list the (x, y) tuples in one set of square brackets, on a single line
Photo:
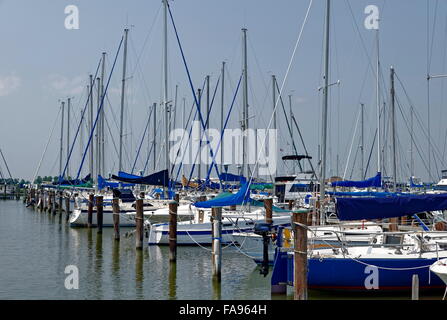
[(393, 239)]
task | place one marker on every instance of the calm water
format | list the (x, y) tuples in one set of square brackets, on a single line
[(36, 247)]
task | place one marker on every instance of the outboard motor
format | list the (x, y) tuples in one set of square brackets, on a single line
[(264, 229)]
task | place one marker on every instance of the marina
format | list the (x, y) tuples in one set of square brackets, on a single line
[(115, 270), (256, 163)]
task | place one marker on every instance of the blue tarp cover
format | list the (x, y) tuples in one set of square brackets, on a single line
[(389, 207), (103, 183), (242, 196), (160, 178), (123, 174), (73, 182), (229, 177), (371, 182)]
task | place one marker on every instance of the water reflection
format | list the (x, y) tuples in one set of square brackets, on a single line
[(217, 289), (139, 274), (116, 279), (110, 269), (172, 280), (98, 267)]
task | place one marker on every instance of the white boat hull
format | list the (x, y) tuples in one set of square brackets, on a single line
[(201, 233)]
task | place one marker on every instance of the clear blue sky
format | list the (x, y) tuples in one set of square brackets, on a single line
[(42, 62)]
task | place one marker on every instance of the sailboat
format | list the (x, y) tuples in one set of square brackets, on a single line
[(394, 257), (440, 269), (199, 230)]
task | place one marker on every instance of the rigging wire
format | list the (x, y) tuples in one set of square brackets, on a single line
[(298, 41)]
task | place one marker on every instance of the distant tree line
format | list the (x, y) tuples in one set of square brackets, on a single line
[(38, 180), (10, 181), (46, 179)]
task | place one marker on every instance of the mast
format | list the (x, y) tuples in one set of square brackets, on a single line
[(274, 100), (183, 126), (244, 105), (291, 132), (123, 87), (165, 77), (393, 130), (102, 157), (155, 134), (90, 126), (324, 116), (68, 135), (199, 165), (274, 111), (379, 151), (98, 130), (207, 111), (149, 142), (362, 146), (222, 115), (411, 143), (173, 113), (61, 139)]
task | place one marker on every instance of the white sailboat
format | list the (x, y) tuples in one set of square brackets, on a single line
[(440, 269)]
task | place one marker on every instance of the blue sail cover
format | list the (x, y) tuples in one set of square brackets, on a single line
[(242, 196), (160, 178), (389, 207), (103, 183), (229, 177), (361, 194), (371, 182), (125, 175), (73, 182)]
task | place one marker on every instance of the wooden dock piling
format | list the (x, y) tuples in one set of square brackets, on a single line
[(139, 222), (91, 200), (60, 202), (50, 202), (173, 231), (53, 202), (268, 205), (41, 197), (217, 243), (33, 197), (67, 207), (99, 213), (299, 220), (44, 200), (116, 218)]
